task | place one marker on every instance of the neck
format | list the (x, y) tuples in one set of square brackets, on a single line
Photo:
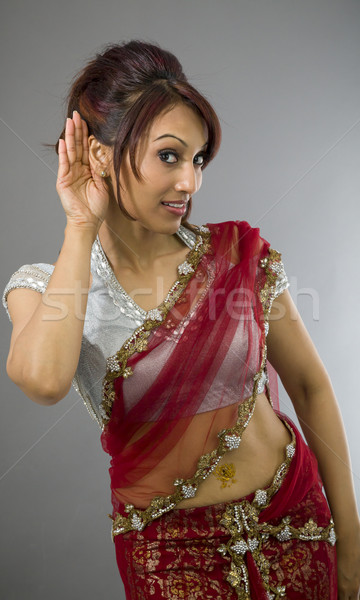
[(131, 245)]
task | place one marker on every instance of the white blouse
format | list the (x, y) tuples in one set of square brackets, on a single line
[(111, 317)]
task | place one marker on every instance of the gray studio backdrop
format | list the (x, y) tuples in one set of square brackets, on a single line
[(284, 78)]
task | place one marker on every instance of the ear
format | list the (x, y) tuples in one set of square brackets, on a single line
[(100, 156)]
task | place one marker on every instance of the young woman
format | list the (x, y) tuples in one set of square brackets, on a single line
[(172, 334)]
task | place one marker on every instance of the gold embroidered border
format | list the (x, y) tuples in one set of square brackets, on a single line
[(117, 364), (241, 519), (229, 439)]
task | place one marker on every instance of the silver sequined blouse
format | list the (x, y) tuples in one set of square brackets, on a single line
[(111, 317)]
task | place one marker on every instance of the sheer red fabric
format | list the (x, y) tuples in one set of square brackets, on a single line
[(177, 556), (194, 369), (199, 365)]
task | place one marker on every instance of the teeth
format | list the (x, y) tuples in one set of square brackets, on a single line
[(173, 204)]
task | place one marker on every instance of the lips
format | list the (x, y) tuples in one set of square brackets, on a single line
[(176, 208), (175, 204)]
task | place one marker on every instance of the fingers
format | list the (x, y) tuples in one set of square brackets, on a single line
[(85, 143), (70, 140), (78, 135), (63, 168), (74, 138), (75, 147)]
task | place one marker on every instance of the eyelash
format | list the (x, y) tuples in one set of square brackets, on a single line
[(164, 153)]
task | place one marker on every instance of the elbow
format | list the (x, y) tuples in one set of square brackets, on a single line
[(41, 389), (310, 393), (44, 395)]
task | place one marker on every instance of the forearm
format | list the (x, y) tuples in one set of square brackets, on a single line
[(322, 424), (45, 354)]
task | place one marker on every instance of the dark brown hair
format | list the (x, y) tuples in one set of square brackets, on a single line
[(123, 89)]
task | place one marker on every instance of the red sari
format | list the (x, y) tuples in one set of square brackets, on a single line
[(178, 395), (239, 549)]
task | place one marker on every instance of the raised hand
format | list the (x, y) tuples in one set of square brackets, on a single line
[(83, 192)]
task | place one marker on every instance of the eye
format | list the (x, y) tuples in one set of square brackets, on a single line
[(168, 156), (200, 160)]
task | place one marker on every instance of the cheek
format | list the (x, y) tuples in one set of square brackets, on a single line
[(154, 177), (160, 180), (199, 181)]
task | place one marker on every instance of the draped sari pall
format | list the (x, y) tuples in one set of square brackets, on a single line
[(180, 393)]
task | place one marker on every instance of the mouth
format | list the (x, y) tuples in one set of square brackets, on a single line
[(178, 208), (175, 204)]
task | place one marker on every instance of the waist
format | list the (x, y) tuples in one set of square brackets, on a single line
[(293, 479), (252, 465), (254, 461)]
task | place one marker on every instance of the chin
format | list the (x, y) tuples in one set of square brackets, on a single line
[(169, 228), (164, 226)]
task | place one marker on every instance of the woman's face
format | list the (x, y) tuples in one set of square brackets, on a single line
[(170, 159)]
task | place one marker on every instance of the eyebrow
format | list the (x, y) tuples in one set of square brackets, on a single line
[(176, 138)]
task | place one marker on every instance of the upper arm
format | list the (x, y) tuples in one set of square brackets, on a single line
[(291, 350), (22, 304), (22, 296)]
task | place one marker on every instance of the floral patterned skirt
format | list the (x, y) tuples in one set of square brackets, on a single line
[(275, 543)]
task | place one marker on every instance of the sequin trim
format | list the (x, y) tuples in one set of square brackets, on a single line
[(228, 438), (175, 334), (276, 283), (119, 296), (34, 278), (184, 488), (89, 405), (117, 364), (241, 520), (29, 277)]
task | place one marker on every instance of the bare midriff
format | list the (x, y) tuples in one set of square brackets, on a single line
[(253, 464)]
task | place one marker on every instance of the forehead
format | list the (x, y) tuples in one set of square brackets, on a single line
[(181, 121)]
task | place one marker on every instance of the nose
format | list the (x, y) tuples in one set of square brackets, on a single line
[(189, 179)]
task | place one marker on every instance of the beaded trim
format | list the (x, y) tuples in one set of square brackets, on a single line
[(89, 404), (276, 283), (176, 333), (117, 364), (241, 519), (119, 296), (273, 267), (229, 439), (28, 276)]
